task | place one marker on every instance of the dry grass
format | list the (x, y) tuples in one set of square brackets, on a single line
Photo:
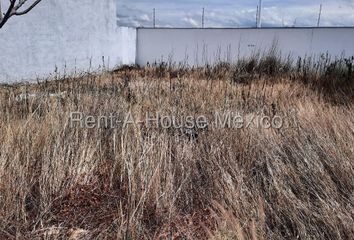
[(58, 182)]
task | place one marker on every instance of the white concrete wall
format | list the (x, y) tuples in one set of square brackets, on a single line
[(127, 42), (72, 35), (201, 46)]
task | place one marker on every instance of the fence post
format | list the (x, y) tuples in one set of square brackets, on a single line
[(154, 17), (203, 15), (319, 16)]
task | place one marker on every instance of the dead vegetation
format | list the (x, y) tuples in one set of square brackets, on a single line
[(58, 182)]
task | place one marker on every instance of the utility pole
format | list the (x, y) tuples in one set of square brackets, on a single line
[(259, 23), (319, 16), (203, 15), (154, 17)]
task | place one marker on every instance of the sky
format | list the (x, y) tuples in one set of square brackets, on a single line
[(232, 13)]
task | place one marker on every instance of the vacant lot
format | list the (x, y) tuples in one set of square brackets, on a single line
[(65, 181)]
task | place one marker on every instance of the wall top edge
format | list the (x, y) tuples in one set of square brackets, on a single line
[(245, 28)]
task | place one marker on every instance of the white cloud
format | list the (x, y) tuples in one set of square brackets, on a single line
[(191, 21)]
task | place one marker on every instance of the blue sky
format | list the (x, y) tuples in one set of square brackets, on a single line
[(232, 13)]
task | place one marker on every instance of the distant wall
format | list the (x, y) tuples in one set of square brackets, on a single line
[(207, 46), (70, 35)]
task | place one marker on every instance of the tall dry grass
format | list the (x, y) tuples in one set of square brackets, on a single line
[(58, 182)]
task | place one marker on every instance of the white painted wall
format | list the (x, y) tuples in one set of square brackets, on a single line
[(73, 36), (67, 34), (200, 46)]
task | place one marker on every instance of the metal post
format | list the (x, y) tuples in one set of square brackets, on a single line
[(259, 25), (257, 16), (154, 18), (203, 15), (319, 16)]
